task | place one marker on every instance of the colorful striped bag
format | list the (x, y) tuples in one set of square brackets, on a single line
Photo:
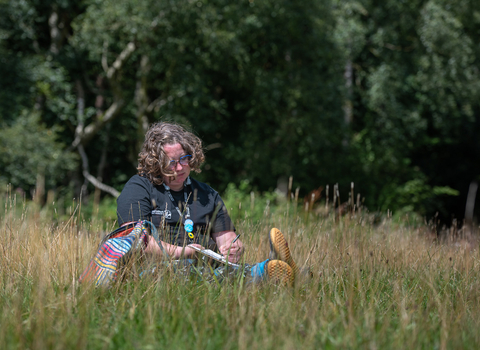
[(115, 250)]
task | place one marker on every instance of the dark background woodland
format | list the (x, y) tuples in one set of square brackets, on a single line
[(384, 94)]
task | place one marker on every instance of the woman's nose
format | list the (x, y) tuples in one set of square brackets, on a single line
[(178, 165)]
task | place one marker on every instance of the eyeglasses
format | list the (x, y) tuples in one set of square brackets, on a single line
[(184, 160)]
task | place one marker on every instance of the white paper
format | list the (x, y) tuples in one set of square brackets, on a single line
[(215, 256)]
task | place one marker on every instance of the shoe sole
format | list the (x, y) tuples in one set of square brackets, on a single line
[(280, 272), (279, 247)]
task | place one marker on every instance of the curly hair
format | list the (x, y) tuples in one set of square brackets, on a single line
[(153, 161)]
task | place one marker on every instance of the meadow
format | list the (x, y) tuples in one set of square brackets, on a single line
[(378, 283)]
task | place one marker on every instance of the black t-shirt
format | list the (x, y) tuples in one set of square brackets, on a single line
[(142, 200)]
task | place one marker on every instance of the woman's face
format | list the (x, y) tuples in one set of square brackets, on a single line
[(174, 152)]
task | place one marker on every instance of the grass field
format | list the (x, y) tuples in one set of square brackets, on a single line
[(382, 286)]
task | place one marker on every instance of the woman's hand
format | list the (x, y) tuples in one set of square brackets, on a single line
[(232, 252)]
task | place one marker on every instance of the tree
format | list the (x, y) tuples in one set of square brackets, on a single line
[(383, 94), (416, 88), (239, 74)]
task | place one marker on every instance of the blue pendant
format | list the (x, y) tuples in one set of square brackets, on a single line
[(189, 227)]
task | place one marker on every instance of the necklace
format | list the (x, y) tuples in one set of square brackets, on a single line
[(187, 223)]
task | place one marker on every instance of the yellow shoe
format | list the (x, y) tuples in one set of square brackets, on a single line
[(279, 249), (280, 273)]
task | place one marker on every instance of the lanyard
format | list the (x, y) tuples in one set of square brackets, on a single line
[(187, 215), (188, 224)]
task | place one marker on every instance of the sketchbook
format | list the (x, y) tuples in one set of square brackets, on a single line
[(215, 256)]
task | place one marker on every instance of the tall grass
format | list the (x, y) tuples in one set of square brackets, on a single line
[(374, 286)]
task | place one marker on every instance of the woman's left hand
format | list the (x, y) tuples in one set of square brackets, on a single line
[(232, 252)]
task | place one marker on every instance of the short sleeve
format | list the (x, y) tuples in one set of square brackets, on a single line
[(222, 221), (134, 203)]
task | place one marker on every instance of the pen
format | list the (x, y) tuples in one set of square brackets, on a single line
[(235, 239)]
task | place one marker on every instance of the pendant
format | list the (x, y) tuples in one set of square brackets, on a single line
[(189, 228)]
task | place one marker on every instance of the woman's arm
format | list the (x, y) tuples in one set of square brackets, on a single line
[(232, 251), (176, 252)]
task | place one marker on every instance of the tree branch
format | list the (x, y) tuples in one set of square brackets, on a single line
[(91, 178), (84, 134), (120, 59), (156, 104), (104, 56), (100, 185)]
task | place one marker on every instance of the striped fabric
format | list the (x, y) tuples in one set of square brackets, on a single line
[(113, 251)]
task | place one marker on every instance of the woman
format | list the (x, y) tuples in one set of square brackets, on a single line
[(185, 211)]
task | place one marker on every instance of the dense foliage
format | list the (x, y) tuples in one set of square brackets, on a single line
[(382, 94)]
